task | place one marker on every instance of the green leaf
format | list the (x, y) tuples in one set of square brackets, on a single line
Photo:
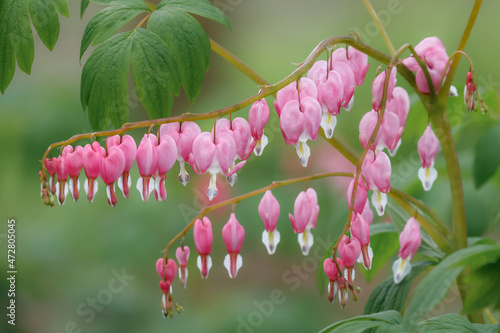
[(108, 21), (384, 241), (16, 36), (383, 321), (436, 284), (155, 73), (199, 7), (487, 160), (453, 323), (62, 7), (45, 20), (391, 296), (485, 289), (83, 6), (188, 42), (104, 82), (19, 33), (7, 55)]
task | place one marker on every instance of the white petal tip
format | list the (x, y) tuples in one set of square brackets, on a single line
[(427, 176), (271, 240)]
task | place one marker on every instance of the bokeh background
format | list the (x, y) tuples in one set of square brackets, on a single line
[(68, 256)]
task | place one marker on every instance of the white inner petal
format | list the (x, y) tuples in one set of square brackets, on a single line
[(379, 201), (427, 176), (303, 152), (271, 240), (328, 123), (401, 268), (306, 241)]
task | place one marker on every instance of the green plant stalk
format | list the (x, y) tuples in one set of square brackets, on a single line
[(439, 118), (233, 60), (380, 27)]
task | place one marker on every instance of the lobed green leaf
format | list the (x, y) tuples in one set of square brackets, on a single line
[(198, 7), (104, 82), (19, 32), (45, 20), (188, 42), (61, 6), (16, 36), (108, 21), (83, 7), (156, 75)]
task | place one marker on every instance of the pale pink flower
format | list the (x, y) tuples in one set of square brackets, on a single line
[(182, 255), (305, 216), (269, 211), (410, 240), (258, 116), (183, 135), (428, 147), (203, 238), (233, 235), (147, 163)]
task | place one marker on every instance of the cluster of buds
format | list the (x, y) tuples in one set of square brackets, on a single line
[(215, 152), (316, 100)]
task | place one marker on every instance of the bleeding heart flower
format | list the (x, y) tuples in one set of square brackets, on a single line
[(289, 93), (62, 177), (239, 130), (147, 162), (74, 164), (258, 116), (377, 171), (354, 58), (399, 105), (203, 238), (410, 240), (305, 216), (233, 235), (428, 147), (182, 255), (112, 167), (349, 250), (378, 88), (269, 211), (214, 155), (361, 196), (432, 52), (299, 123), (166, 157), (361, 231), (332, 273), (183, 135), (129, 149), (92, 156)]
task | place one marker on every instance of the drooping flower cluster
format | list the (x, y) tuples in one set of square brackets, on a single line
[(316, 100), (304, 106), (224, 150)]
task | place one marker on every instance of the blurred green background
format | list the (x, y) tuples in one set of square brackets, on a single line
[(67, 256)]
